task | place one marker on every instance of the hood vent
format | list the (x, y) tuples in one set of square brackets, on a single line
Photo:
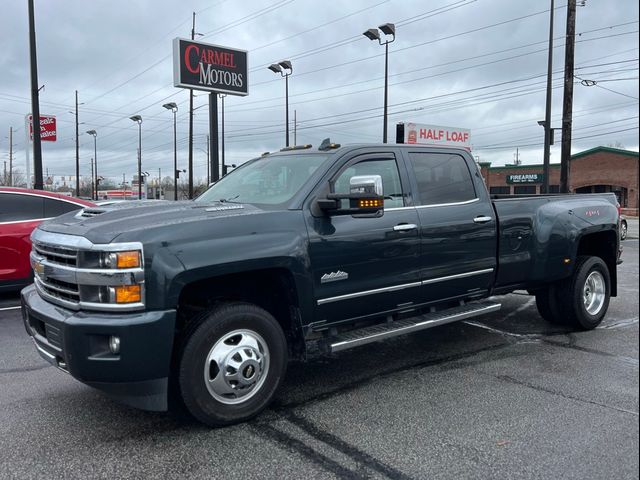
[(89, 212)]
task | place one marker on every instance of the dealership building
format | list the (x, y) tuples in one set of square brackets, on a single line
[(598, 170)]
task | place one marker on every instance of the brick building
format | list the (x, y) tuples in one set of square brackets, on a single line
[(598, 170)]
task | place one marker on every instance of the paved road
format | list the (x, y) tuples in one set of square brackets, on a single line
[(632, 224), (506, 396)]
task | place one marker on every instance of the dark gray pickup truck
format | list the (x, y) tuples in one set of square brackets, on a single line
[(205, 301)]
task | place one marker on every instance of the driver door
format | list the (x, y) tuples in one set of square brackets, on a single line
[(366, 266)]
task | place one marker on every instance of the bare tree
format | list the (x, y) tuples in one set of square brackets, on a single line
[(19, 179)]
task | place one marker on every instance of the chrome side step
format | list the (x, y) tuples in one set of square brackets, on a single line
[(356, 338)]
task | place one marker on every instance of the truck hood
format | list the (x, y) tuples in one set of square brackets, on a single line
[(103, 224)]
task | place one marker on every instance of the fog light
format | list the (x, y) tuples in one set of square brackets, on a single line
[(128, 293), (114, 344)]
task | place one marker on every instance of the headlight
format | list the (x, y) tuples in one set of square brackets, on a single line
[(127, 259)]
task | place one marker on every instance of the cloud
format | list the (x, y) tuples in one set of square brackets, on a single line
[(475, 64)]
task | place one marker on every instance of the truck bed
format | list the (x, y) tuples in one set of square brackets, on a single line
[(539, 235)]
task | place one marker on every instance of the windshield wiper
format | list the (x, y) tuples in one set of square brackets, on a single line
[(229, 200)]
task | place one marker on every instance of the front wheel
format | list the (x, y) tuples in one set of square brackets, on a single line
[(585, 295), (232, 364)]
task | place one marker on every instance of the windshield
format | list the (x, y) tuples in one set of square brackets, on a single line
[(268, 180)]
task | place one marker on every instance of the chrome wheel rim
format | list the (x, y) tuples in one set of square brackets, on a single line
[(594, 293), (236, 367)]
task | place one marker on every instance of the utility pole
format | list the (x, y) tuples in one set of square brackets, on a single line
[(4, 179), (78, 153), (547, 116), (193, 35), (295, 128), (567, 103), (11, 156), (35, 104)]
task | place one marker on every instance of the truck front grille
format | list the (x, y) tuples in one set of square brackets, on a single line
[(58, 289), (57, 254)]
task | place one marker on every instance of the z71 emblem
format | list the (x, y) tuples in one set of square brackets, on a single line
[(334, 276)]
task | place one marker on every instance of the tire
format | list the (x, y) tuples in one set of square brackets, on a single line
[(547, 304), (232, 362), (623, 230), (586, 293)]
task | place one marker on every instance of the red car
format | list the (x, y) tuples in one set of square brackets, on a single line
[(22, 210)]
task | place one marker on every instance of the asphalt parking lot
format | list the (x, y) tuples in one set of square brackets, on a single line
[(503, 396)]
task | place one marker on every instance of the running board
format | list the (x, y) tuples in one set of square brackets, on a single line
[(362, 336)]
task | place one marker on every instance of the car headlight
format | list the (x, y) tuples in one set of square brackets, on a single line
[(127, 259)]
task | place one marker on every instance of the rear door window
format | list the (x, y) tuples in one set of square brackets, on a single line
[(54, 208), (441, 178), (17, 207)]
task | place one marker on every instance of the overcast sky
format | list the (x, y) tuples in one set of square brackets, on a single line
[(476, 64)]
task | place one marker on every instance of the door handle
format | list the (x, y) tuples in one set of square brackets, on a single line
[(482, 219), (405, 227)]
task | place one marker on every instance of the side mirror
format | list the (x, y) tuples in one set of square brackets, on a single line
[(366, 198), (366, 185)]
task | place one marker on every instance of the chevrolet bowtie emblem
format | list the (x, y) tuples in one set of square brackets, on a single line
[(38, 268), (334, 276)]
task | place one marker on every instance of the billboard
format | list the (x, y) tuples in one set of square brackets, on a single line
[(424, 134), (213, 68), (48, 130)]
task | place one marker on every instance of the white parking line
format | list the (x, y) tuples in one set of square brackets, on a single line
[(9, 308)]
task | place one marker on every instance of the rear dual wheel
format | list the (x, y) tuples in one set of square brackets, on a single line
[(581, 300)]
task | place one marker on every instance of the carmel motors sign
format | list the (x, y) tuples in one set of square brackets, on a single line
[(204, 66)]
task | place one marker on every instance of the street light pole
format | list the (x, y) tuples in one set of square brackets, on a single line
[(174, 108), (388, 29), (138, 120), (547, 116), (284, 68), (77, 151), (94, 179)]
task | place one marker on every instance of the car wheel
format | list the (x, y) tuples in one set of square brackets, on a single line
[(547, 304), (623, 230), (586, 293), (231, 364)]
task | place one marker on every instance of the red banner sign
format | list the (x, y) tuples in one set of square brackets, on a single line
[(48, 130)]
